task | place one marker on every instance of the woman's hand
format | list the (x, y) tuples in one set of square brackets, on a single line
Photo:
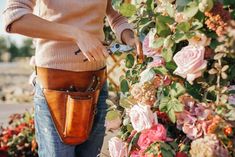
[(130, 39), (90, 46)]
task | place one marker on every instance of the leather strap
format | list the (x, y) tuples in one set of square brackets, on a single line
[(56, 79)]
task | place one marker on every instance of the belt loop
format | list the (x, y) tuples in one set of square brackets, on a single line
[(35, 68)]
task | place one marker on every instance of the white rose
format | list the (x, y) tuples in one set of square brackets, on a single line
[(142, 117)]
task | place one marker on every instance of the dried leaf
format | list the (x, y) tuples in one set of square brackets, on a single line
[(225, 68), (224, 75), (218, 56), (213, 71)]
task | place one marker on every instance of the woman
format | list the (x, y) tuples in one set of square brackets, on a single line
[(62, 28)]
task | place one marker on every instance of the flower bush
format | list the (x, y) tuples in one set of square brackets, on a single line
[(18, 138), (180, 101)]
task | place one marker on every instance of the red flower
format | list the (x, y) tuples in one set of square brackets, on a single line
[(181, 154)]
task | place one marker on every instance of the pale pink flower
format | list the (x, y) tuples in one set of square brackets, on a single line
[(136, 91), (142, 117), (202, 113), (192, 131), (157, 61), (190, 62), (113, 124), (185, 117), (148, 51), (117, 148), (200, 39), (208, 146), (180, 17)]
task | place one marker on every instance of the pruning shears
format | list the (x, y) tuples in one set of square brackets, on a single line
[(114, 48)]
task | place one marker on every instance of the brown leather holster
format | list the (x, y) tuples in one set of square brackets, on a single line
[(72, 98)]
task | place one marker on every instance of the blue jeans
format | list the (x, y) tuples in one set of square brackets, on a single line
[(49, 143)]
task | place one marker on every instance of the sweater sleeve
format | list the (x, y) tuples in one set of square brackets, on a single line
[(15, 9), (117, 22)]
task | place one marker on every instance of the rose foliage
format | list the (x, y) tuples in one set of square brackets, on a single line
[(180, 100)]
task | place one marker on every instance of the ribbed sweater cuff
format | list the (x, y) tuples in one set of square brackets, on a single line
[(121, 28), (11, 15)]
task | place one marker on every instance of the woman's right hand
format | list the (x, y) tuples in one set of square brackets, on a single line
[(90, 46)]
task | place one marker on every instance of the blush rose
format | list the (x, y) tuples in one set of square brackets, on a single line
[(190, 62)]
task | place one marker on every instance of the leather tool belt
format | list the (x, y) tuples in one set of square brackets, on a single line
[(72, 98)]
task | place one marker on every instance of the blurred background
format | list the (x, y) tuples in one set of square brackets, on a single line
[(16, 99), (15, 92)]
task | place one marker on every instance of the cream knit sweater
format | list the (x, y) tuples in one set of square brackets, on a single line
[(85, 14)]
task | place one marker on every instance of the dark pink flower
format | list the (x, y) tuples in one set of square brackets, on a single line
[(148, 136)]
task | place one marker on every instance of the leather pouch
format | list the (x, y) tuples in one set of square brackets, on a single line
[(72, 113)]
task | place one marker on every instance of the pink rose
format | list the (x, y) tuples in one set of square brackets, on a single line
[(190, 62), (184, 117), (202, 113), (135, 153), (157, 61), (192, 131), (148, 136), (148, 51), (142, 117), (117, 148)]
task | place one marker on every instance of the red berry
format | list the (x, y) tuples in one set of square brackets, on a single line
[(228, 131)]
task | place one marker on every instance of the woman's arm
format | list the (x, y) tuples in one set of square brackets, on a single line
[(122, 29), (33, 26)]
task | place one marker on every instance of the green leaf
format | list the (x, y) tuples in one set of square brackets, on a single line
[(191, 9), (124, 86), (161, 24), (127, 9), (170, 106), (171, 66), (160, 70), (171, 115), (163, 104), (165, 19), (129, 128), (134, 141), (167, 54), (168, 42), (184, 26), (127, 102), (157, 43), (181, 4), (170, 10), (112, 115), (166, 150), (194, 90), (177, 89), (214, 43), (147, 75), (150, 6), (179, 36), (196, 24), (130, 60)]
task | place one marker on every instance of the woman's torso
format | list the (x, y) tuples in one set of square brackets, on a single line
[(87, 15)]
